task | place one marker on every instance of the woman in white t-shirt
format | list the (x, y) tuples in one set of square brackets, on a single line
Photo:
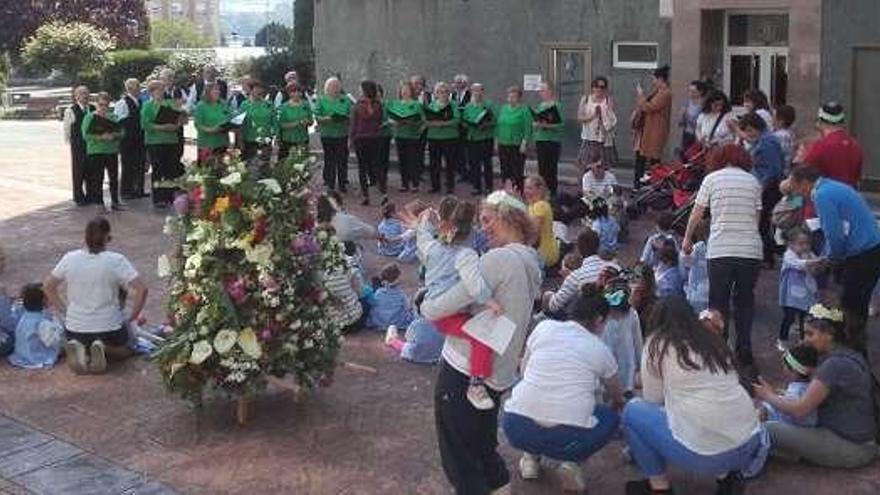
[(91, 304), (694, 413), (715, 126), (552, 411), (598, 181)]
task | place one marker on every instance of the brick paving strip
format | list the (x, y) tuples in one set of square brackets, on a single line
[(35, 462)]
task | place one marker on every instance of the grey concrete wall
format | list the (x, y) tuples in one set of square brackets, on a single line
[(493, 41), (857, 23)]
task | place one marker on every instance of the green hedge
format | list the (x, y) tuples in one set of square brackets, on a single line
[(129, 63)]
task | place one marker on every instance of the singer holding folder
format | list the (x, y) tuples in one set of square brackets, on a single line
[(102, 134), (548, 138), (513, 133), (211, 117), (294, 119), (443, 120), (407, 118), (333, 111), (161, 138), (479, 117)]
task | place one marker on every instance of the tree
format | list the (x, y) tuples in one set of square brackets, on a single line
[(177, 33), (274, 36), (303, 47), (75, 48)]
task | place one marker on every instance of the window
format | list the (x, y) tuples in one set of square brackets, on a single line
[(757, 30), (636, 54)]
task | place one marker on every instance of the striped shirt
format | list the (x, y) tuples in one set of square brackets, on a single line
[(733, 197), (588, 273)]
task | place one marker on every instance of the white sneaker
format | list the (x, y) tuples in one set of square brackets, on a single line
[(529, 466), (98, 360), (479, 397), (391, 334), (573, 479), (75, 354), (781, 345)]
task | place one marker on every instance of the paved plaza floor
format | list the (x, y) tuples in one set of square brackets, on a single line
[(370, 433)]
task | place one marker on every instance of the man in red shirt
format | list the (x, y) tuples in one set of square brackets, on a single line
[(836, 153)]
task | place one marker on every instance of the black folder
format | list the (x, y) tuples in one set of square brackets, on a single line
[(410, 119), (103, 125), (439, 115), (549, 115), (339, 117), (483, 118), (168, 115)]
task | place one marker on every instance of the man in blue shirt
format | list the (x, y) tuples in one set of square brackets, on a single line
[(852, 239), (767, 166)]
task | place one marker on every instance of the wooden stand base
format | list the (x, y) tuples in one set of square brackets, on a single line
[(244, 410)]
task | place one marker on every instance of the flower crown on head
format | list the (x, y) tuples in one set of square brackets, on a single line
[(503, 198), (822, 312)]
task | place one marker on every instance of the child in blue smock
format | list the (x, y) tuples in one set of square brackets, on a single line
[(9, 314), (695, 268), (604, 225), (391, 231), (667, 274), (656, 240), (623, 333), (389, 305), (798, 290), (799, 363), (38, 338)]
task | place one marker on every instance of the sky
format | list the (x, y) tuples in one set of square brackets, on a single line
[(251, 5)]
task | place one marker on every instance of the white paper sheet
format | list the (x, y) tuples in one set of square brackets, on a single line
[(496, 332)]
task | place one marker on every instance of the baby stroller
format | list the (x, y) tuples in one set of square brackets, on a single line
[(670, 186)]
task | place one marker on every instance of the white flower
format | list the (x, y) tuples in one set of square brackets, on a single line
[(299, 167), (260, 255), (201, 351), (232, 179), (322, 235), (272, 185), (170, 226), (224, 340), (192, 265), (164, 266), (295, 325), (247, 341)]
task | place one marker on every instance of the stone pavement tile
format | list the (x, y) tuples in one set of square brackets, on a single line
[(9, 488), (15, 436), (36, 457), (150, 488), (85, 474)]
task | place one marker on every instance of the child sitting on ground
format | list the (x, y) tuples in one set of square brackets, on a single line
[(798, 290), (389, 306), (409, 253), (8, 315), (442, 237), (667, 275), (696, 270), (655, 240), (570, 262), (391, 231), (799, 363), (344, 307), (623, 331), (38, 338), (604, 225), (421, 343)]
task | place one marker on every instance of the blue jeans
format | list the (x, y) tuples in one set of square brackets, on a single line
[(561, 442), (646, 430)]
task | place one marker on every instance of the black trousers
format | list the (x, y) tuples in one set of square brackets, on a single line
[(409, 154), (464, 173), (468, 437), (335, 162), (640, 164), (384, 157), (443, 150), (513, 165), (770, 195), (78, 171), (285, 147), (859, 275), (133, 155), (789, 316), (737, 277), (165, 167), (96, 166), (111, 338), (369, 157), (548, 163), (479, 154)]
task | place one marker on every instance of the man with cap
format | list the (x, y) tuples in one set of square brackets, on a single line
[(836, 154)]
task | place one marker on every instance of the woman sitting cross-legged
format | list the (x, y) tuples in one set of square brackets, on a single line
[(552, 412), (841, 392), (694, 414)]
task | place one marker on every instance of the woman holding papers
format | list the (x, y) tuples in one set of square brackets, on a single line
[(407, 119), (332, 111), (479, 117), (211, 117), (513, 133), (442, 120), (548, 136), (468, 437), (161, 123), (102, 134), (294, 119), (258, 128)]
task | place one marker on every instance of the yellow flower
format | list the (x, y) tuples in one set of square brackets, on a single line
[(247, 340), (221, 204)]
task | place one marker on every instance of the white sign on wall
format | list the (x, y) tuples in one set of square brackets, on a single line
[(666, 9), (531, 82)]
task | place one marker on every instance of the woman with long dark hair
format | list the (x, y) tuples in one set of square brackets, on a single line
[(714, 125), (651, 122), (694, 413), (365, 134)]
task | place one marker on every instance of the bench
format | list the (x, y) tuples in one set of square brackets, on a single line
[(39, 108)]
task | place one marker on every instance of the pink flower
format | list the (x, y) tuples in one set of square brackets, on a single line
[(269, 283), (266, 334), (236, 288), (181, 204), (304, 244)]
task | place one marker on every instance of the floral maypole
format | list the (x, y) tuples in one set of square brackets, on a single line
[(246, 296)]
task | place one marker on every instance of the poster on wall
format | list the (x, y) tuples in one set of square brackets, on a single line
[(531, 82)]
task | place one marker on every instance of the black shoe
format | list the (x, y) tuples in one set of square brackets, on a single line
[(118, 207), (732, 484), (80, 202), (643, 487), (435, 190), (404, 190), (365, 201)]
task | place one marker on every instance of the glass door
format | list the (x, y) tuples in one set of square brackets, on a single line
[(569, 71), (756, 55)]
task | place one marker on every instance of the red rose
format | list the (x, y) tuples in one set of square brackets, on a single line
[(235, 200)]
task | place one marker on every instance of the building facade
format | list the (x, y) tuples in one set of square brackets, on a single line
[(203, 14), (799, 52)]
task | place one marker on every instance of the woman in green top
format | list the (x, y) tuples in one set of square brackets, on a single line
[(258, 128), (333, 111), (443, 139), (294, 119), (479, 116), (102, 150), (162, 144), (407, 118), (548, 140), (210, 117), (513, 132)]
